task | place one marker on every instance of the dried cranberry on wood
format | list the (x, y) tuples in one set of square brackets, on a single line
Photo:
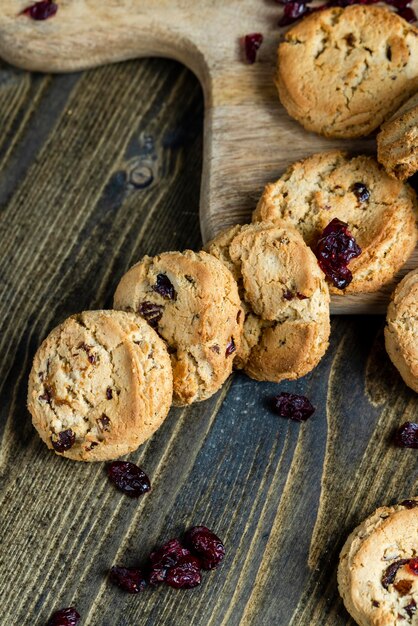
[(407, 435), (293, 11), (185, 574), (208, 547), (166, 557), (65, 617), (129, 478), (252, 44), (293, 406), (129, 579)]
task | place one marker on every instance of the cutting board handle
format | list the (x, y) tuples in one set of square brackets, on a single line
[(248, 137)]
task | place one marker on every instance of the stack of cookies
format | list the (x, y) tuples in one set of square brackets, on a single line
[(257, 299)]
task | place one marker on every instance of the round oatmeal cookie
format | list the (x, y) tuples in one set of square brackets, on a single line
[(380, 211), (192, 300), (397, 141), (401, 332), (285, 299), (378, 569), (342, 72), (100, 385)]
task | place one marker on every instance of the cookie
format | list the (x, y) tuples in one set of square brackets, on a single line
[(192, 300), (342, 72), (380, 211), (401, 331), (397, 141), (378, 569), (100, 385), (285, 299)]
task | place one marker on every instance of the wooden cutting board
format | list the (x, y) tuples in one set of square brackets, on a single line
[(248, 137)]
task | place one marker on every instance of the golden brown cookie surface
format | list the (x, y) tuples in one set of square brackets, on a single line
[(397, 141), (192, 301), (377, 575), (285, 299), (100, 385), (401, 332), (381, 212), (341, 72)]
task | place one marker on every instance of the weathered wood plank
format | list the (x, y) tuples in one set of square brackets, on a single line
[(77, 207)]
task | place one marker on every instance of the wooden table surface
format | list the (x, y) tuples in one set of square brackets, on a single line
[(98, 169)]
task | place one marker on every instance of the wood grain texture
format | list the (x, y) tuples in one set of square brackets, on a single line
[(97, 169), (248, 137)]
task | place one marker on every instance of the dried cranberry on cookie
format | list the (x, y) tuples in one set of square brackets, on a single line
[(380, 212)]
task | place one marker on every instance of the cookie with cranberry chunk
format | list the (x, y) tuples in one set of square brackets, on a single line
[(285, 299), (397, 141), (378, 569), (380, 211), (192, 300), (342, 72), (100, 385), (401, 332)]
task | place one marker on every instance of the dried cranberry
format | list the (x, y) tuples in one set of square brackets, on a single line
[(41, 10), (408, 14), (361, 192), (152, 313), (186, 574), (409, 504), (208, 547), (390, 572), (87, 349), (252, 44), (289, 295), (293, 406), (47, 395), (292, 12), (215, 348), (65, 617), (109, 393), (103, 422), (230, 348), (335, 249), (164, 558), (63, 441), (129, 478), (410, 608), (129, 579), (413, 566), (407, 435), (164, 287)]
